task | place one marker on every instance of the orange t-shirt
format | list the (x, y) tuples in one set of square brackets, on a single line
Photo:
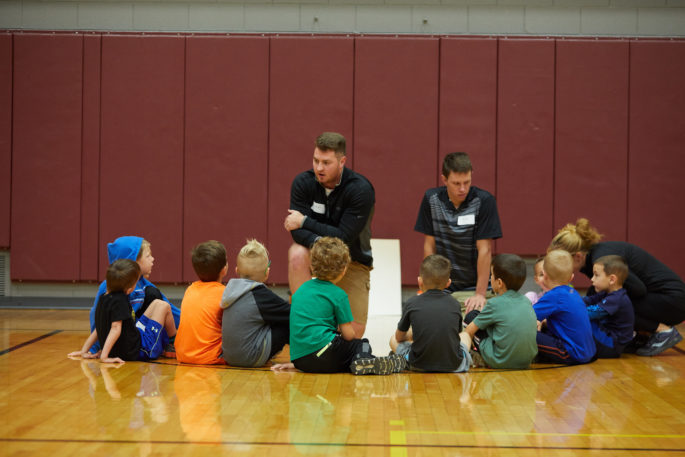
[(199, 334)]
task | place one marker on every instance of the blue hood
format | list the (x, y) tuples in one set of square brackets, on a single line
[(124, 247)]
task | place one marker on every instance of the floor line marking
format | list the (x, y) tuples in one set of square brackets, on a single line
[(26, 343), (374, 445), (582, 435)]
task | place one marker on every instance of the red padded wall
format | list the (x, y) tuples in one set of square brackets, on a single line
[(226, 152), (141, 163), (5, 137), (657, 162), (525, 144), (90, 160), (46, 164), (311, 84), (395, 123), (591, 175), (468, 105)]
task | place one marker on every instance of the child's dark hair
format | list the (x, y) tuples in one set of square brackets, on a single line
[(121, 275), (329, 258), (511, 269), (435, 271), (208, 258), (614, 265)]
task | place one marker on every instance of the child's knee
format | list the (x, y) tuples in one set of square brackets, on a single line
[(159, 306)]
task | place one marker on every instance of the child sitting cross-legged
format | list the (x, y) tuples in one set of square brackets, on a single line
[(256, 321), (565, 334), (319, 308), (199, 334), (610, 309), (504, 332), (434, 342), (120, 336)]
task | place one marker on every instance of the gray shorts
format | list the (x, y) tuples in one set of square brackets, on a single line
[(404, 347)]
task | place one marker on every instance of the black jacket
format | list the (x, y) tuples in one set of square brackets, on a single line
[(346, 213)]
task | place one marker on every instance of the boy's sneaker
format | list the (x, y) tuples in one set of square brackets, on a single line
[(392, 363), (659, 342), (169, 351), (477, 359)]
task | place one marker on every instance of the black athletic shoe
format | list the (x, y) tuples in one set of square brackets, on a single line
[(392, 363), (659, 342)]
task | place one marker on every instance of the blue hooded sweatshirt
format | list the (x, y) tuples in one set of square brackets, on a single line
[(127, 247)]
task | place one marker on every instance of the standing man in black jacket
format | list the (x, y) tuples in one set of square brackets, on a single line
[(331, 200)]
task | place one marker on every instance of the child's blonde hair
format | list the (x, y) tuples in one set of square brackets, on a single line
[(578, 237), (252, 261), (145, 244), (558, 266), (329, 258)]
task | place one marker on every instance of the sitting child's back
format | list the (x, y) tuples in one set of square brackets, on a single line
[(435, 320), (199, 334), (429, 332), (510, 323), (255, 323), (567, 337), (507, 327)]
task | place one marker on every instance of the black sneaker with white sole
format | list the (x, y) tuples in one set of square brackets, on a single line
[(659, 342)]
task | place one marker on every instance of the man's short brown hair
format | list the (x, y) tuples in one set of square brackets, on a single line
[(511, 269), (614, 265), (329, 258), (456, 162), (558, 266), (331, 141), (121, 275), (208, 258), (435, 271)]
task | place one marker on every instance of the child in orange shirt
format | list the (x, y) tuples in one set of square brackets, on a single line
[(199, 334)]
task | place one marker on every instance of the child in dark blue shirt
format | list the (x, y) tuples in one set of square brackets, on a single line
[(565, 334), (610, 309)]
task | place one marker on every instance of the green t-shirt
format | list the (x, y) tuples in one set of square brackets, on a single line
[(511, 325), (317, 308)]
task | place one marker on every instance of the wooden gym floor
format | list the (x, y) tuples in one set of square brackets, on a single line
[(51, 405)]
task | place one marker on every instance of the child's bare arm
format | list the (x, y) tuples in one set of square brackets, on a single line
[(471, 329), (92, 338), (347, 331), (112, 337)]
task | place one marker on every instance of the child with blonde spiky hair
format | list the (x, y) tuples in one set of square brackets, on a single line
[(319, 309), (255, 324)]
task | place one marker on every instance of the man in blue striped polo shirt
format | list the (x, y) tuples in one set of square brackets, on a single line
[(460, 221)]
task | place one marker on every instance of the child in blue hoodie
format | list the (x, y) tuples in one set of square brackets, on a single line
[(137, 249)]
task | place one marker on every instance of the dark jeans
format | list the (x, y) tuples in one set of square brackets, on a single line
[(336, 358)]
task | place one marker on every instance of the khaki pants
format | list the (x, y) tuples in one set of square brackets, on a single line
[(462, 295), (356, 283)]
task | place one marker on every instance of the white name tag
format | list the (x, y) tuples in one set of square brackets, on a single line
[(469, 219), (318, 208)]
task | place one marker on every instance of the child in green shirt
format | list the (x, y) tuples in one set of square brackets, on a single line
[(319, 308), (504, 332)]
